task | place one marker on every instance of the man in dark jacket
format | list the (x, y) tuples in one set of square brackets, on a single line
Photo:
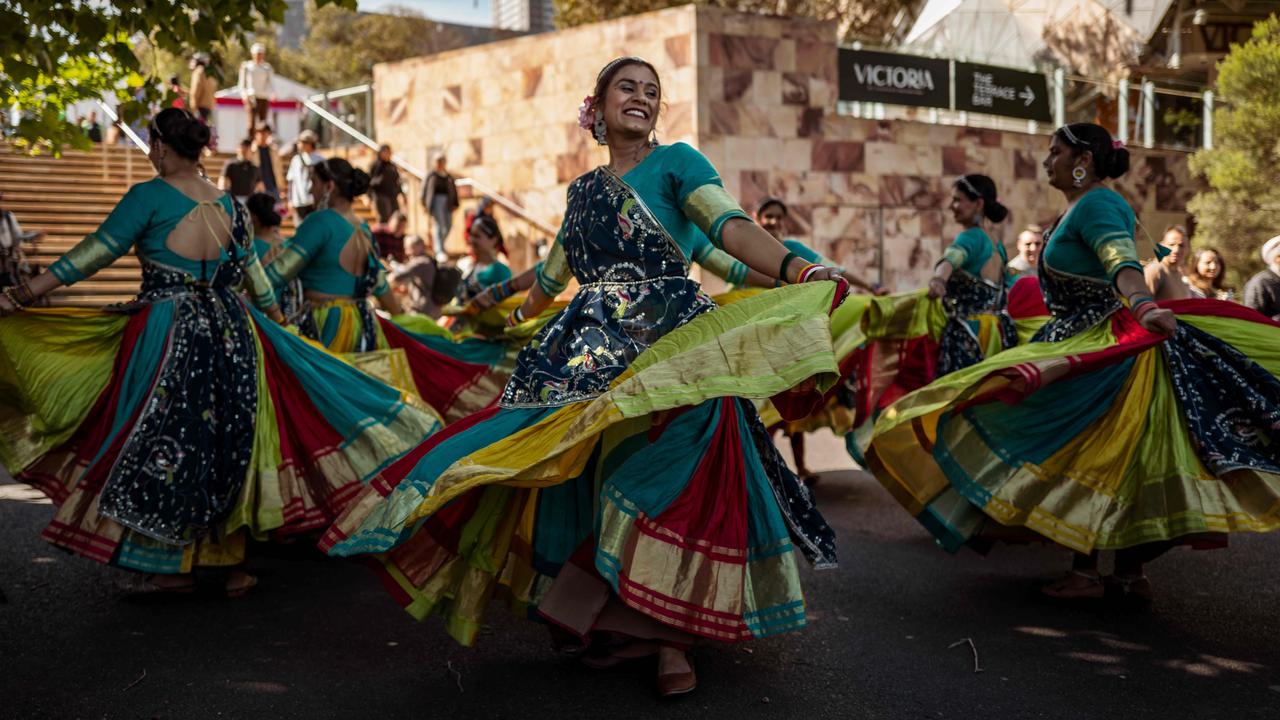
[(1262, 292), (440, 199), (384, 185)]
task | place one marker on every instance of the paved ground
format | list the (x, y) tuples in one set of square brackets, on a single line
[(320, 639)]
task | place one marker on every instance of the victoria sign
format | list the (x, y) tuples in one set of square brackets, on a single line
[(867, 76)]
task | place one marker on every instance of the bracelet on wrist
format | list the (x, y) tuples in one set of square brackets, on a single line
[(11, 294), (786, 260), (1142, 308), (809, 271), (516, 317)]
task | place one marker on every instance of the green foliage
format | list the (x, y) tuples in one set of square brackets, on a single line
[(341, 47), (1241, 208), (866, 20), (57, 52)]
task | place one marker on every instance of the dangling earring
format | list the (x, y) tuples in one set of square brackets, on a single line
[(977, 218), (1078, 174), (653, 138), (599, 130)]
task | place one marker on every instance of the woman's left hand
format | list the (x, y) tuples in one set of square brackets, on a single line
[(1160, 321), (483, 301), (6, 307)]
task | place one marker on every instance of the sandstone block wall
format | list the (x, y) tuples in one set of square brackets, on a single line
[(757, 94)]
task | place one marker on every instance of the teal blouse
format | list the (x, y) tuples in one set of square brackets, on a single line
[(145, 217), (482, 278), (683, 191), (1095, 238), (313, 256), (971, 251)]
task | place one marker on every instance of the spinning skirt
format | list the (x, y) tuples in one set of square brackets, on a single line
[(1112, 438), (666, 488), (168, 436)]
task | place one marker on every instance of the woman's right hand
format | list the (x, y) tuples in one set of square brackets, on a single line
[(937, 288), (7, 307), (484, 300)]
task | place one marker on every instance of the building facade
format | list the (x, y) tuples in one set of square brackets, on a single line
[(532, 16), (757, 95)]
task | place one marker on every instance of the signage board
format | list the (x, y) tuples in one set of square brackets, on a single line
[(868, 76), (1002, 91)]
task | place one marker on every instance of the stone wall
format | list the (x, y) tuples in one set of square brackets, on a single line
[(757, 94)]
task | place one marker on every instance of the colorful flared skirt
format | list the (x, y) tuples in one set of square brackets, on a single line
[(1112, 438), (666, 488), (168, 436), (454, 378)]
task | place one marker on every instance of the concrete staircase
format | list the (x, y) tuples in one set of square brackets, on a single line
[(68, 197)]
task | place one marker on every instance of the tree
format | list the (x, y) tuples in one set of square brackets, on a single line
[(57, 52), (1241, 208), (865, 20)]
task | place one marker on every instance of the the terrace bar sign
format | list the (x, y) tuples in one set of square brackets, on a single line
[(867, 76)]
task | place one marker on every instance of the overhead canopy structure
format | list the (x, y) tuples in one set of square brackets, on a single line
[(1095, 37)]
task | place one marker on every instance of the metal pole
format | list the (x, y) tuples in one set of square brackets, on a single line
[(1208, 119), (1123, 110), (1148, 113), (1060, 97), (368, 111)]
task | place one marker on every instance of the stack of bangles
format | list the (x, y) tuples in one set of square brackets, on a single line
[(20, 295), (805, 272), (516, 317), (502, 291), (1140, 305)]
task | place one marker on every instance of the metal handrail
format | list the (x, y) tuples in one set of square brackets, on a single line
[(503, 201), (128, 131)]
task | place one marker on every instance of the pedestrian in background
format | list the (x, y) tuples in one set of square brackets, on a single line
[(384, 186), (1262, 292), (241, 176), (257, 88), (267, 156), (203, 88), (440, 199), (300, 178)]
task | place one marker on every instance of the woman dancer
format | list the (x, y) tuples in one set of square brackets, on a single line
[(607, 522), (170, 429), (1120, 426), (1208, 276), (333, 256), (970, 280)]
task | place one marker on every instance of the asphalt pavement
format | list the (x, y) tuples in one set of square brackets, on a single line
[(900, 630)]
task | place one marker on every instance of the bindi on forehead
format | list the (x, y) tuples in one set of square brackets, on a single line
[(638, 76)]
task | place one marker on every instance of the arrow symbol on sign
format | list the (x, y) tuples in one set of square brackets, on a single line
[(1027, 95)]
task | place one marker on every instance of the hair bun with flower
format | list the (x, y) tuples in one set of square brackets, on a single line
[(585, 119), (1117, 144)]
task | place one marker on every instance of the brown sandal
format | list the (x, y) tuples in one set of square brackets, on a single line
[(238, 589), (676, 684), (1060, 589)]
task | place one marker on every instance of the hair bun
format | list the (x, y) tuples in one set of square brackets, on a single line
[(995, 211), (359, 182), (1117, 163)]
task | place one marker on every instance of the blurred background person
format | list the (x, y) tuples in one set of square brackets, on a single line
[(301, 175), (257, 86), (1262, 293), (241, 176), (384, 185), (440, 200), (1028, 259)]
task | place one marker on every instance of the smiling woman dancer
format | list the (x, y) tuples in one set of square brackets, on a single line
[(1119, 426), (630, 530), (171, 428)]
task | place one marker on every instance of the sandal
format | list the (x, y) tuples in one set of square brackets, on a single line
[(1135, 591), (1067, 588), (240, 582), (674, 684), (146, 587), (604, 657)]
